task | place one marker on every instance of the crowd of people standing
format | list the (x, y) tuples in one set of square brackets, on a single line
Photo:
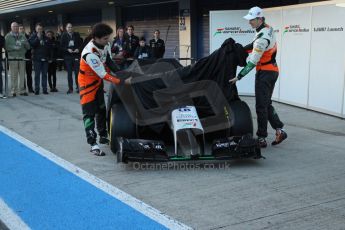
[(45, 52)]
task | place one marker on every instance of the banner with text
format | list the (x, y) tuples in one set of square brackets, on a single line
[(327, 59), (311, 52), (226, 24)]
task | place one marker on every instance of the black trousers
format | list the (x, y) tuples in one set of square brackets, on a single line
[(72, 65), (28, 70), (95, 110), (52, 75), (264, 86)]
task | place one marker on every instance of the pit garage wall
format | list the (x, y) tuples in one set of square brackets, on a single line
[(311, 52)]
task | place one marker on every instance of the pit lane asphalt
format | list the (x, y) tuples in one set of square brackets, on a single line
[(300, 184)]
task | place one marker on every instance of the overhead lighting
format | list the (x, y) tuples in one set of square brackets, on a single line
[(17, 16), (111, 3), (50, 11)]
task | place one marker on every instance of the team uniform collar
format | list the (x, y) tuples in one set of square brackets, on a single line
[(263, 25)]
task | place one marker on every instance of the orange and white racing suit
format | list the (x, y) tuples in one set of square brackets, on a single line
[(262, 54), (95, 65)]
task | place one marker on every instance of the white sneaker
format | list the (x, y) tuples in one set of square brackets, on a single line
[(96, 150), (2, 96)]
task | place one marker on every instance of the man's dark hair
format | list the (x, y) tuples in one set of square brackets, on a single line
[(38, 24), (100, 30), (157, 31), (130, 26), (142, 39)]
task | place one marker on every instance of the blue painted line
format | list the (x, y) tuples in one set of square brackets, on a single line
[(46, 196)]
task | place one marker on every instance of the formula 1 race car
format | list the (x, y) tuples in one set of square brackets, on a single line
[(176, 113)]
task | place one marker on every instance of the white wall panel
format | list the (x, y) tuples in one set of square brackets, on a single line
[(295, 56), (327, 63), (311, 52)]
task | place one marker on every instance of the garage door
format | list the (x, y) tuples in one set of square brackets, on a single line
[(146, 19)]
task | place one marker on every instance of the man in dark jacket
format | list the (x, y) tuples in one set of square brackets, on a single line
[(133, 41), (53, 52), (157, 46), (38, 42), (70, 47)]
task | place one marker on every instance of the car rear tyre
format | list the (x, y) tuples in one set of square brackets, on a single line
[(242, 119), (121, 125)]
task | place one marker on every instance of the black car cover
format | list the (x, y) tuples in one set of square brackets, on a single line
[(165, 80), (220, 67)]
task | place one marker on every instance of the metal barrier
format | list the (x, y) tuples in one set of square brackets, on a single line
[(7, 60), (6, 77), (6, 67)]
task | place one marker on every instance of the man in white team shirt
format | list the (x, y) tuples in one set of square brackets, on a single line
[(262, 55)]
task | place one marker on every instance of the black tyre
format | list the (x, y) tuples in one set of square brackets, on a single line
[(121, 125), (242, 119), (110, 103)]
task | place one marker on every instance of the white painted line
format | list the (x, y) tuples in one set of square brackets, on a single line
[(131, 201), (10, 219)]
